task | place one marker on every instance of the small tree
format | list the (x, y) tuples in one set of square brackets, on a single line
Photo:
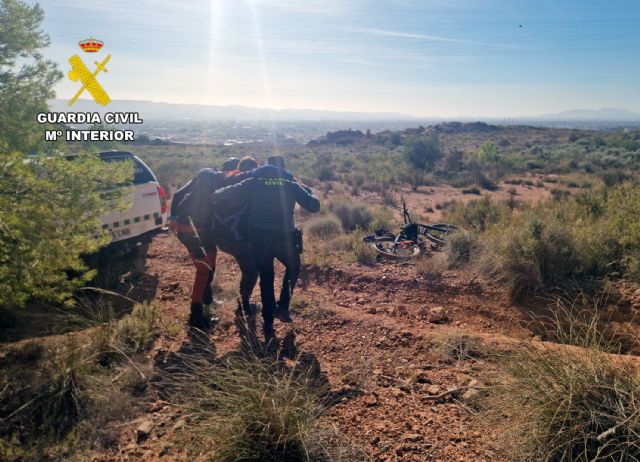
[(50, 211), (423, 152), (50, 207), (454, 160), (488, 153), (26, 78)]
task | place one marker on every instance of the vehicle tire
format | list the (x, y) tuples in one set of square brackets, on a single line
[(438, 233), (388, 248), (139, 258)]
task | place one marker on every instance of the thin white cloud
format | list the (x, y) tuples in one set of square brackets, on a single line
[(431, 38)]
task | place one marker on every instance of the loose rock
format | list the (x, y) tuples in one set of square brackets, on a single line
[(143, 430)]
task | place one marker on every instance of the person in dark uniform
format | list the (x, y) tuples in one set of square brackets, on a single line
[(203, 229), (271, 194)]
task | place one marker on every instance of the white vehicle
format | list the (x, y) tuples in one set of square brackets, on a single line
[(133, 229)]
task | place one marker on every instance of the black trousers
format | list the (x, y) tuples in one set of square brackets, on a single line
[(241, 251), (267, 246)]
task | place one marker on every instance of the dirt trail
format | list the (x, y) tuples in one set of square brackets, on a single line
[(376, 334)]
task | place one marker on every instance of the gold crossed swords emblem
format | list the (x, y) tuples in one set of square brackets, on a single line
[(80, 72)]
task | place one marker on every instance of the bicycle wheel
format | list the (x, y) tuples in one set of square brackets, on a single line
[(401, 250), (438, 233)]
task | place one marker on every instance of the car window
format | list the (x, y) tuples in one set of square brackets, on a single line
[(141, 173)]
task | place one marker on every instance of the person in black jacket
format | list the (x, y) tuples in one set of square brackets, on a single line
[(271, 194), (204, 229), (191, 212), (229, 223)]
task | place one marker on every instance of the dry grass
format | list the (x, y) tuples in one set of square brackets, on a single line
[(352, 216), (251, 407), (569, 402), (324, 226), (364, 253), (310, 309), (56, 399), (458, 345), (122, 338)]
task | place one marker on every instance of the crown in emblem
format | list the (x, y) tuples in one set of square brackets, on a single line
[(90, 45)]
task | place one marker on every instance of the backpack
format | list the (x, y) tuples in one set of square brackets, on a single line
[(197, 204)]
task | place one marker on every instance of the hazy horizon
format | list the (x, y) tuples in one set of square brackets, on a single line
[(84, 105), (492, 59)]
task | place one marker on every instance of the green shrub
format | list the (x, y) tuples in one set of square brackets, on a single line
[(553, 244), (476, 216), (382, 218), (326, 173), (422, 152), (136, 331), (529, 254), (352, 216), (560, 194), (460, 250), (117, 340), (324, 226), (488, 153), (364, 253), (486, 183)]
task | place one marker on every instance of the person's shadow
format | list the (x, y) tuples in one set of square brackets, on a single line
[(279, 354)]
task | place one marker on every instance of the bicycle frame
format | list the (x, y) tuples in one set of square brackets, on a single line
[(405, 214)]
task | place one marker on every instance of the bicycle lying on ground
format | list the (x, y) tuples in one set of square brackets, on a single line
[(409, 241)]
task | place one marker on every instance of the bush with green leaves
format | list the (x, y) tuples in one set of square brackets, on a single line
[(423, 152), (364, 252), (324, 226), (477, 215), (488, 153), (50, 207), (352, 216), (50, 210), (555, 244), (530, 253)]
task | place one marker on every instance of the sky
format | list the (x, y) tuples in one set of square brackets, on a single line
[(431, 58)]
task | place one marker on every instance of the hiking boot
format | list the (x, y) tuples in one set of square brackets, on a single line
[(269, 331), (282, 314), (200, 318)]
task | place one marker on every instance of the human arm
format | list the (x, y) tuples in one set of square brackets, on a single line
[(306, 198), (178, 196), (239, 192)]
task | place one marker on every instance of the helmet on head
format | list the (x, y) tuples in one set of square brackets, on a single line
[(230, 164)]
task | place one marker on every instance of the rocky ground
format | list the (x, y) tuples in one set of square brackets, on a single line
[(405, 353)]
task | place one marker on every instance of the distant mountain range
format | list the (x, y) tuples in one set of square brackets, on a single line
[(620, 115), (170, 111), (198, 112)]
